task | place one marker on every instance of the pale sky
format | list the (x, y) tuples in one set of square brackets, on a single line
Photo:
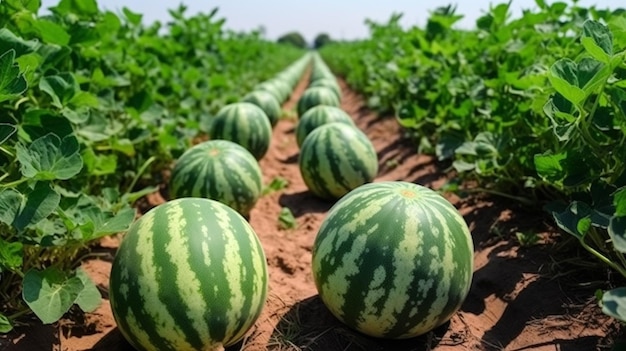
[(341, 19)]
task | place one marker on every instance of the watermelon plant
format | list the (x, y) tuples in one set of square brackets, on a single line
[(245, 124), (220, 170), (189, 275), (336, 158), (393, 259), (317, 116)]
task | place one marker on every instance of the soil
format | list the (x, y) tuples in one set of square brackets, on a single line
[(523, 297)]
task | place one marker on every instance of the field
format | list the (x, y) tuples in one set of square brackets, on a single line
[(538, 274)]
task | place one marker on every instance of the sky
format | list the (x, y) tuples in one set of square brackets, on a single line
[(341, 19)]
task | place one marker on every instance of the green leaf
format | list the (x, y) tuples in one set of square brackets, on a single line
[(10, 203), (52, 33), (10, 41), (619, 200), (563, 76), (50, 293), (597, 40), (105, 223), (39, 203), (6, 130), (29, 5), (12, 81), (78, 7), (575, 219), (278, 183), (89, 298), (5, 324), (286, 220), (61, 88), (132, 17), (50, 157), (614, 303), (11, 255), (617, 232)]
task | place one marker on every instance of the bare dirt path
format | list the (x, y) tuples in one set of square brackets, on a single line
[(522, 298)]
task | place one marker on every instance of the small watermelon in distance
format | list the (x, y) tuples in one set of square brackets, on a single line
[(220, 170), (329, 82), (336, 158), (267, 102), (316, 96), (245, 124), (317, 116), (190, 274), (393, 260)]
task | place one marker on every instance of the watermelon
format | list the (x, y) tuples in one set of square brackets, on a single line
[(328, 82), (316, 96), (220, 170), (267, 102), (317, 116), (245, 124), (393, 260), (336, 158), (189, 275)]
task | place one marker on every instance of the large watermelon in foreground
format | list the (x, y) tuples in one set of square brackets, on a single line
[(393, 260), (245, 124), (220, 170), (189, 275), (336, 158)]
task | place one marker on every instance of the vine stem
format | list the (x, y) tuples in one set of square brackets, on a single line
[(602, 258)]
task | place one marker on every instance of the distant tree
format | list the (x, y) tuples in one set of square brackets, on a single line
[(294, 38), (321, 40)]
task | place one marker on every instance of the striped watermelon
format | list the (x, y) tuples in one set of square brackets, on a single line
[(317, 116), (267, 102), (189, 275), (245, 124), (220, 170), (336, 158), (393, 260), (316, 96), (329, 82)]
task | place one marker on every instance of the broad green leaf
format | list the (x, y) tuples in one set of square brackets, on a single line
[(105, 223), (563, 76), (38, 123), (50, 157), (614, 303), (99, 164), (11, 255), (5, 324), (38, 204), (89, 298), (597, 40), (52, 33), (575, 219), (10, 41), (50, 293), (10, 203), (132, 17), (78, 7), (277, 183), (617, 232), (6, 130), (592, 75), (84, 99), (12, 81), (61, 88)]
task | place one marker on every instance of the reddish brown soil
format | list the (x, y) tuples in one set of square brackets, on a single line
[(522, 297)]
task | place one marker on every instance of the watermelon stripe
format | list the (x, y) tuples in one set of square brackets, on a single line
[(245, 124), (400, 280)]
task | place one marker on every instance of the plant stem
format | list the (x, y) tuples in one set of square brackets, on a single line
[(602, 258), (523, 200), (142, 169)]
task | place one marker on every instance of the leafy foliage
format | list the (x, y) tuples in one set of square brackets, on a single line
[(93, 106)]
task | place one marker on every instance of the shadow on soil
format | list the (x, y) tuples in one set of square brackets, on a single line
[(308, 325), (113, 340), (304, 202), (525, 278)]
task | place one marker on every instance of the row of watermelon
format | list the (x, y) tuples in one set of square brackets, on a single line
[(391, 259), (191, 274)]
